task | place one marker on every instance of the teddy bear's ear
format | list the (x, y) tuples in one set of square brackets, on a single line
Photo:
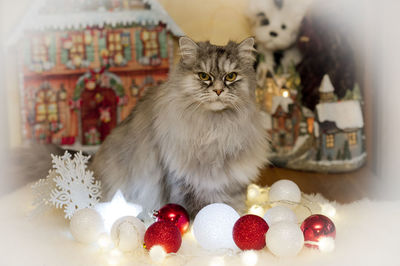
[(278, 3), (246, 49), (188, 49), (255, 7), (296, 10)]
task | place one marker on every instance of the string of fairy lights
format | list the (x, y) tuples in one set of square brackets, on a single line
[(280, 219)]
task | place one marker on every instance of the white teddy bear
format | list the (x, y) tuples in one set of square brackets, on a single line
[(275, 25)]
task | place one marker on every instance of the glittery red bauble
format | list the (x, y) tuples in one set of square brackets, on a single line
[(316, 227), (176, 214), (164, 234), (249, 232)]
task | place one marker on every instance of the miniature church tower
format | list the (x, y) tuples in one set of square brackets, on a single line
[(326, 90)]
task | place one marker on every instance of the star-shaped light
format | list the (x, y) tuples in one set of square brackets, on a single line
[(118, 207)]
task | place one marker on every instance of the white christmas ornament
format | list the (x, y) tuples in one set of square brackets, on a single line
[(284, 239), (279, 214), (86, 225), (284, 191), (118, 207), (42, 190), (127, 233), (213, 225), (76, 188)]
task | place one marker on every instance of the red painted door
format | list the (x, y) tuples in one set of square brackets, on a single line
[(98, 114)]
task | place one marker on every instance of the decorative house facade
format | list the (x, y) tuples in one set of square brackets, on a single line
[(340, 126), (286, 116), (85, 64), (331, 138)]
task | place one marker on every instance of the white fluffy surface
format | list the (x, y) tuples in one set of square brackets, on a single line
[(367, 234)]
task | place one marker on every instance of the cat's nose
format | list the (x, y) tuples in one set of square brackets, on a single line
[(218, 92), (273, 34)]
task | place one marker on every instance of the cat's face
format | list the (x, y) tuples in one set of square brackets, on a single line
[(218, 78)]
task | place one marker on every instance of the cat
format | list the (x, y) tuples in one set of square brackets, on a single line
[(194, 140)]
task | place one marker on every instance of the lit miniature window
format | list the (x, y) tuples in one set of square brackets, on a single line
[(40, 53), (77, 51), (288, 124), (352, 137), (150, 43), (114, 44), (330, 141)]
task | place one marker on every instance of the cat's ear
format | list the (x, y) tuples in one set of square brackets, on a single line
[(247, 50), (188, 49)]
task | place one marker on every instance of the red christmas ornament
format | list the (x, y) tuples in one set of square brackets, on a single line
[(176, 214), (164, 234), (317, 227), (249, 232)]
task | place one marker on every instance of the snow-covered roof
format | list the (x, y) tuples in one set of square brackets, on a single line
[(326, 85), (284, 102), (345, 114), (37, 20)]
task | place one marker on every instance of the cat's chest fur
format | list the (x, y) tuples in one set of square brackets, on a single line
[(202, 150)]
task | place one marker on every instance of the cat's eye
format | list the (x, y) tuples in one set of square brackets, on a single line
[(283, 26), (231, 76), (204, 76)]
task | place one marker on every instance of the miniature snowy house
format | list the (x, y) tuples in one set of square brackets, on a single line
[(330, 139), (340, 126), (85, 64), (285, 122)]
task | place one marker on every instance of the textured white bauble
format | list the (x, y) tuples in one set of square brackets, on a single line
[(284, 190), (213, 225), (279, 214), (284, 239), (86, 225), (127, 233)]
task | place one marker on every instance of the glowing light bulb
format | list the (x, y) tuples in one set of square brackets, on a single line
[(249, 258), (257, 210), (217, 261), (116, 253), (104, 241), (253, 191), (285, 94), (326, 244), (157, 254), (112, 261), (328, 210), (115, 256)]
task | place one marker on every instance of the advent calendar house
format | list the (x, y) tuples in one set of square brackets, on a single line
[(84, 65)]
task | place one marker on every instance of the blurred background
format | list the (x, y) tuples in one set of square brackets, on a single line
[(369, 27)]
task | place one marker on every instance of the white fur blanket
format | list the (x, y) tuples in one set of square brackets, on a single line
[(367, 234)]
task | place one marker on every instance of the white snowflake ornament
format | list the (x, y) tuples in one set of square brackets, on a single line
[(76, 188), (42, 190)]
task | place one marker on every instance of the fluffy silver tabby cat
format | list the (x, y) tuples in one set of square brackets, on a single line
[(196, 139)]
